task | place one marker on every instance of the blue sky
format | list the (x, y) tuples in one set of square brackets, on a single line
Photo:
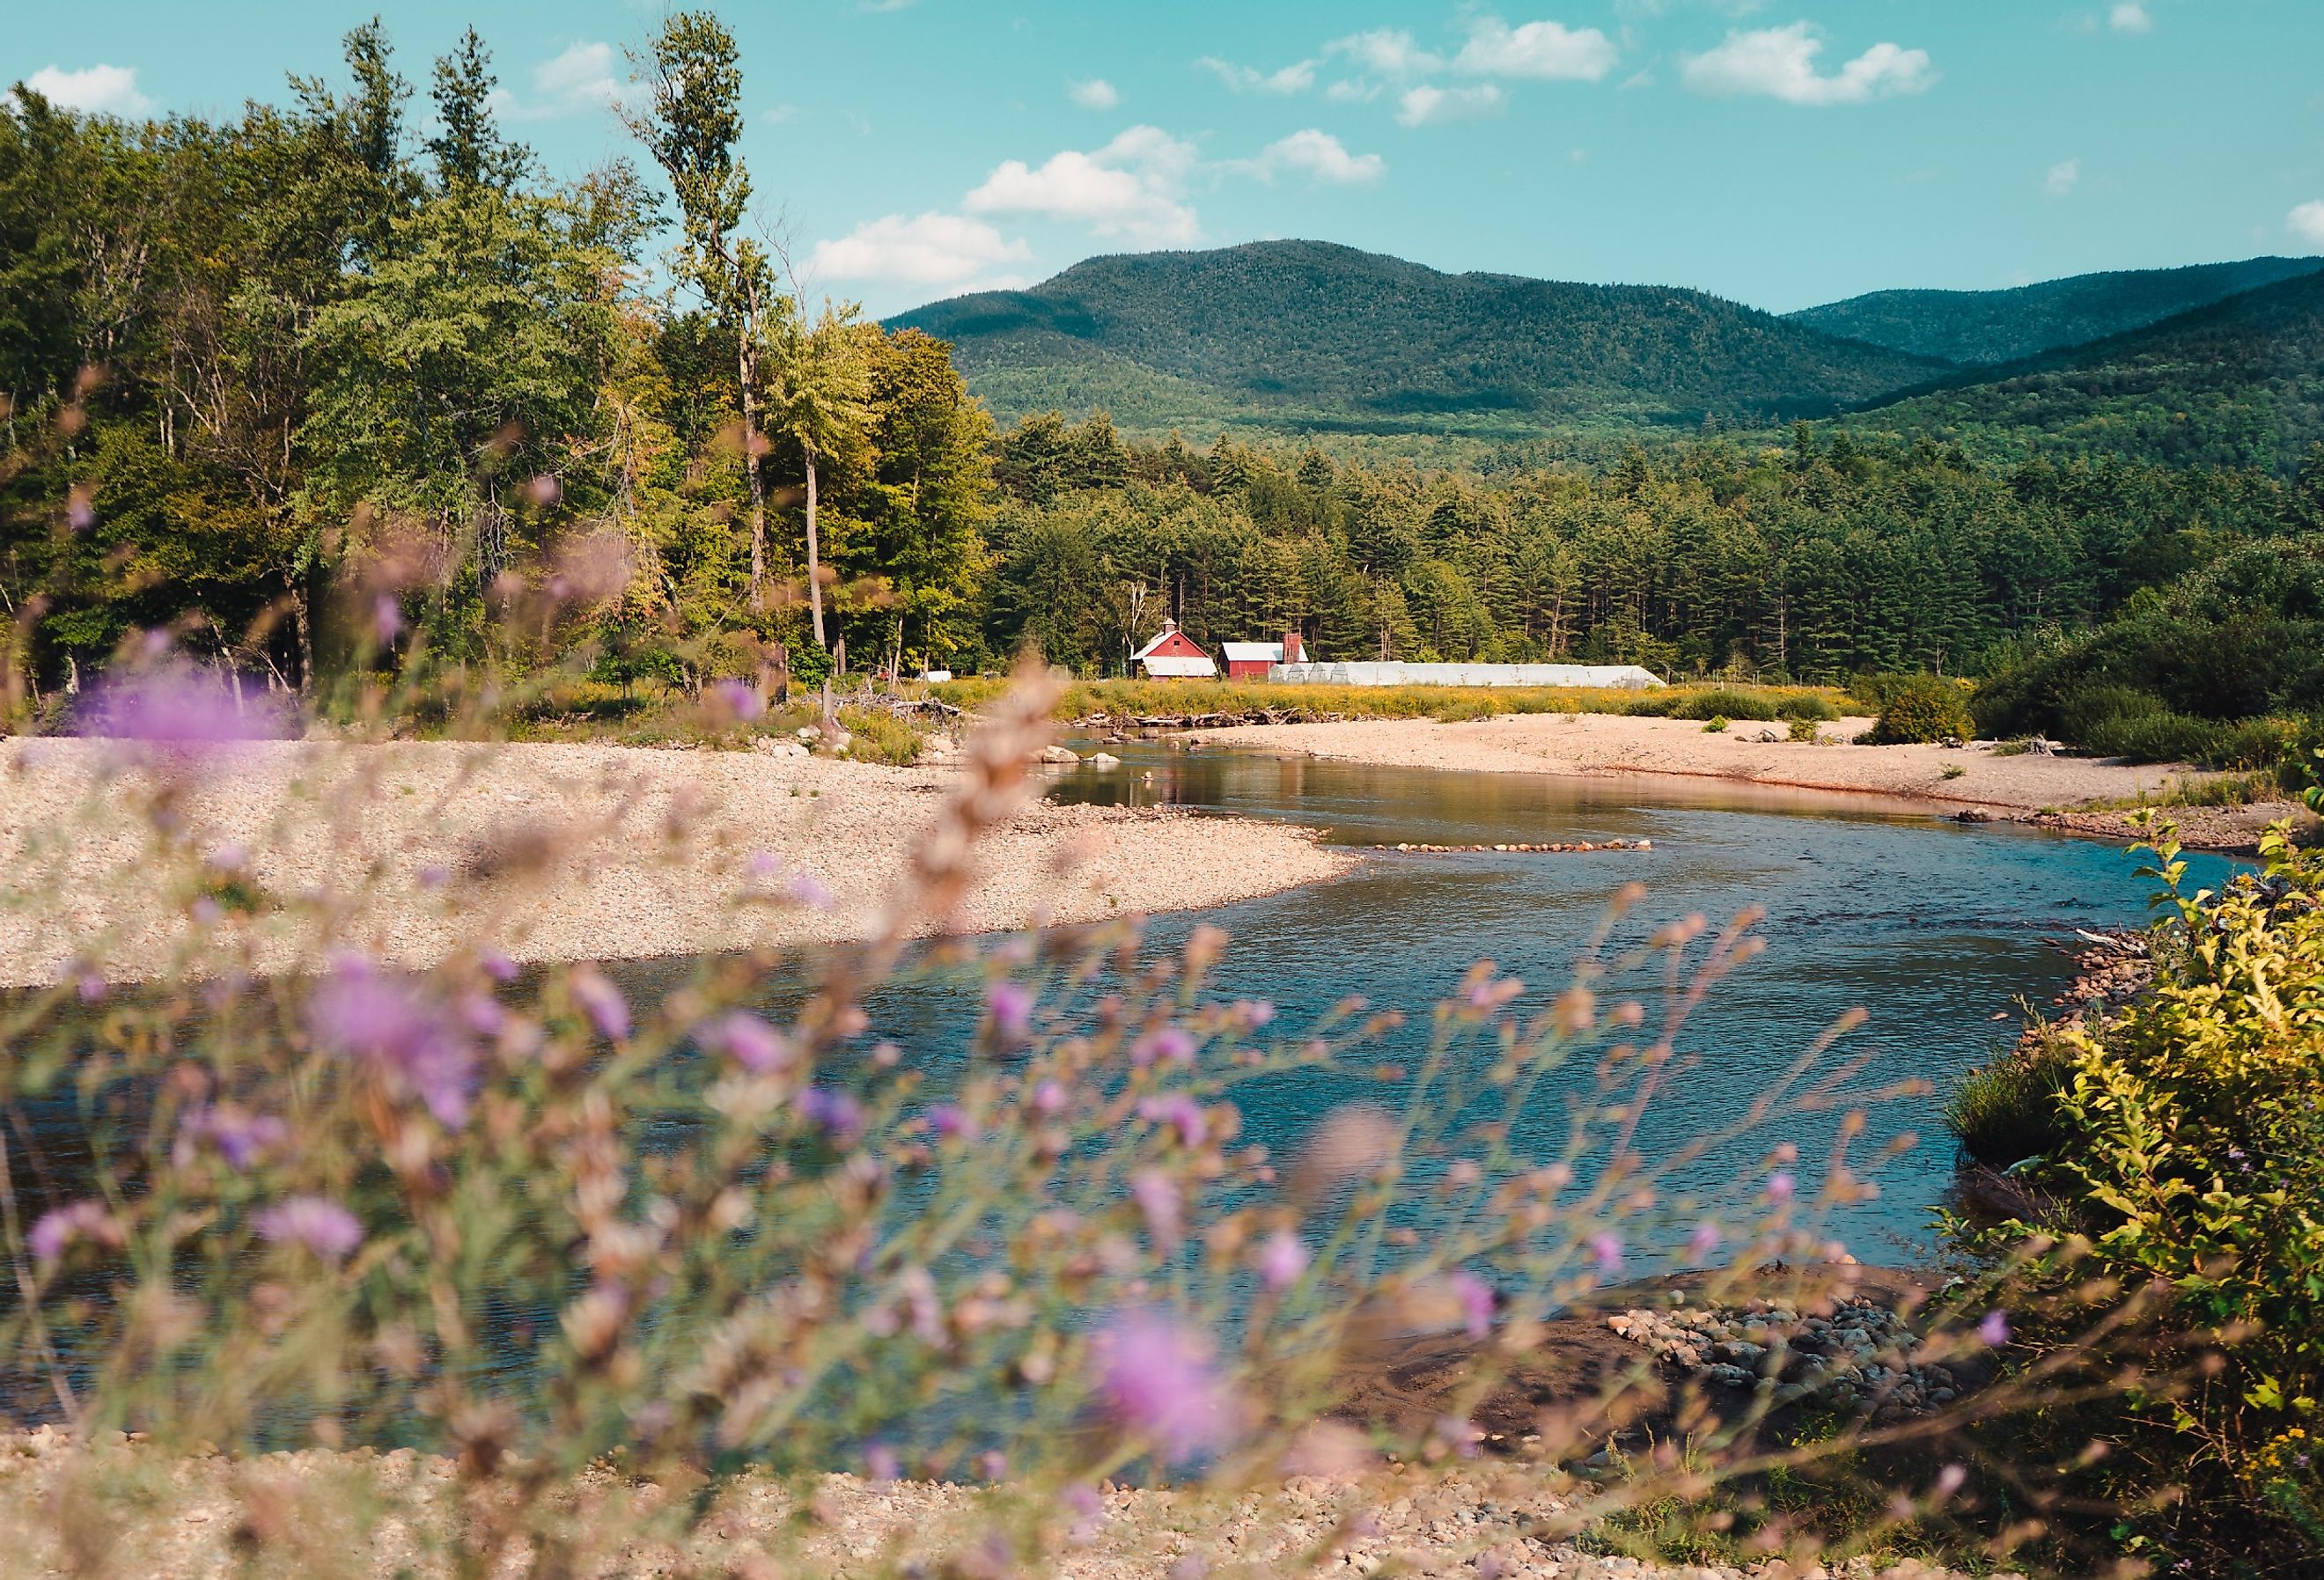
[(1780, 152)]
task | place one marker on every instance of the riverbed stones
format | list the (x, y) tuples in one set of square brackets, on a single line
[(1862, 1356)]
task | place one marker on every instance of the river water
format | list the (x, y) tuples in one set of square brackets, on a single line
[(1940, 931)]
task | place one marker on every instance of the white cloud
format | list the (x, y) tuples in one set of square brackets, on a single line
[(1297, 78), (1319, 156), (1780, 63), (1546, 50), (1096, 94), (2130, 16), (1388, 50), (780, 114), (100, 90), (1428, 104), (1353, 90), (2061, 177), (934, 249), (1133, 187), (2307, 223), (580, 78)]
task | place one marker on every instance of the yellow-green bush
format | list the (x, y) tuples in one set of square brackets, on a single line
[(1921, 709)]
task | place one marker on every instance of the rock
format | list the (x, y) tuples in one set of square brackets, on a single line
[(1973, 814), (809, 732), (768, 747), (1059, 754), (1102, 760)]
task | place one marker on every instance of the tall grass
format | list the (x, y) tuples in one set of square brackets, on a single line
[(1122, 700)]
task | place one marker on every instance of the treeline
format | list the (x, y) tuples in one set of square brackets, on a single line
[(1817, 562), (300, 382)]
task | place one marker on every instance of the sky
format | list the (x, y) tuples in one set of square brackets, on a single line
[(1781, 153)]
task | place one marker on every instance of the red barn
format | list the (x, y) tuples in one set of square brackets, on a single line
[(1173, 655), (1250, 661)]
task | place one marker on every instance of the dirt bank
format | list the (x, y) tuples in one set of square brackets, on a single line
[(551, 852), (2050, 790)]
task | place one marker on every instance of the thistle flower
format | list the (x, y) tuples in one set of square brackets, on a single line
[(737, 701), (1780, 1186), (238, 1136), (949, 1121), (1281, 1260), (386, 621), (360, 1013), (748, 1041), (1163, 1045), (1157, 1195), (1994, 1329), (172, 707), (1156, 1380), (1704, 1241), (1606, 1252), (1180, 1110), (832, 1109), (319, 1224), (881, 1464), (807, 890), (54, 1232), (1011, 1006), (1476, 1298), (601, 1001)]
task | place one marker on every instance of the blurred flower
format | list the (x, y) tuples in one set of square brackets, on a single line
[(55, 1231), (321, 1225), (497, 965), (1487, 995), (1476, 1298), (1163, 1045), (748, 1041), (833, 1109), (1157, 1195), (360, 1013), (1154, 1377), (79, 514), (545, 490), (1779, 1187), (1281, 1260), (1010, 1005), (228, 858), (992, 1466), (1177, 1109), (1704, 1241), (736, 700), (205, 911), (1459, 1434), (949, 1121), (172, 705), (1606, 1252), (812, 892), (1049, 1097), (1254, 1013), (881, 1464), (238, 1136), (1994, 1329), (1088, 1511), (600, 1001), (1949, 1481), (89, 987), (386, 620)]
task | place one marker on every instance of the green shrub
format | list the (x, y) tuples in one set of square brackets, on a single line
[(1715, 726), (1725, 704), (1805, 729), (1921, 709), (1808, 706), (881, 736)]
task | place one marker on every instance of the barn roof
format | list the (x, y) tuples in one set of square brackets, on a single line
[(1251, 652)]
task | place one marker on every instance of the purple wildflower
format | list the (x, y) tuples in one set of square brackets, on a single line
[(1255, 1013), (738, 700), (1282, 1259), (1704, 1241), (881, 1464), (601, 1001), (1606, 1252), (55, 1231), (812, 892), (1163, 1045), (81, 514), (1050, 1099), (1779, 1187), (1476, 1298), (1088, 1511), (1154, 1377), (1180, 1110), (321, 1225), (238, 1136), (359, 1013), (89, 986), (992, 1466), (172, 707), (1460, 1434), (748, 1041), (1157, 1195), (951, 1123), (1949, 1481), (833, 1110), (1994, 1329), (205, 911), (1010, 1005), (386, 620), (497, 965), (546, 490)]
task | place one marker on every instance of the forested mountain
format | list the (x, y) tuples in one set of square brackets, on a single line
[(1305, 336), (1980, 327), (2238, 383)]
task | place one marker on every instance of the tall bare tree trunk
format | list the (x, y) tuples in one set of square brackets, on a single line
[(814, 551), (747, 369)]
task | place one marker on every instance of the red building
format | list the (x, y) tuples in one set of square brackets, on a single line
[(1173, 655), (1250, 661)]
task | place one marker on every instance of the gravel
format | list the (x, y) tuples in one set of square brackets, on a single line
[(1861, 1356)]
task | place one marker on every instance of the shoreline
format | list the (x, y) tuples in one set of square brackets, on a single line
[(412, 850), (2067, 794)]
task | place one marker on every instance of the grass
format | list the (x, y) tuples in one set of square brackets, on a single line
[(2219, 790), (2008, 1111), (1450, 704)]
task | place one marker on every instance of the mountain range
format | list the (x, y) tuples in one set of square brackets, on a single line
[(2218, 362)]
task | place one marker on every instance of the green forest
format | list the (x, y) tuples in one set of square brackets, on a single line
[(322, 395)]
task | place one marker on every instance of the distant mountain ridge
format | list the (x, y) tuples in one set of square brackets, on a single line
[(2239, 382), (1984, 327), (1310, 335)]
